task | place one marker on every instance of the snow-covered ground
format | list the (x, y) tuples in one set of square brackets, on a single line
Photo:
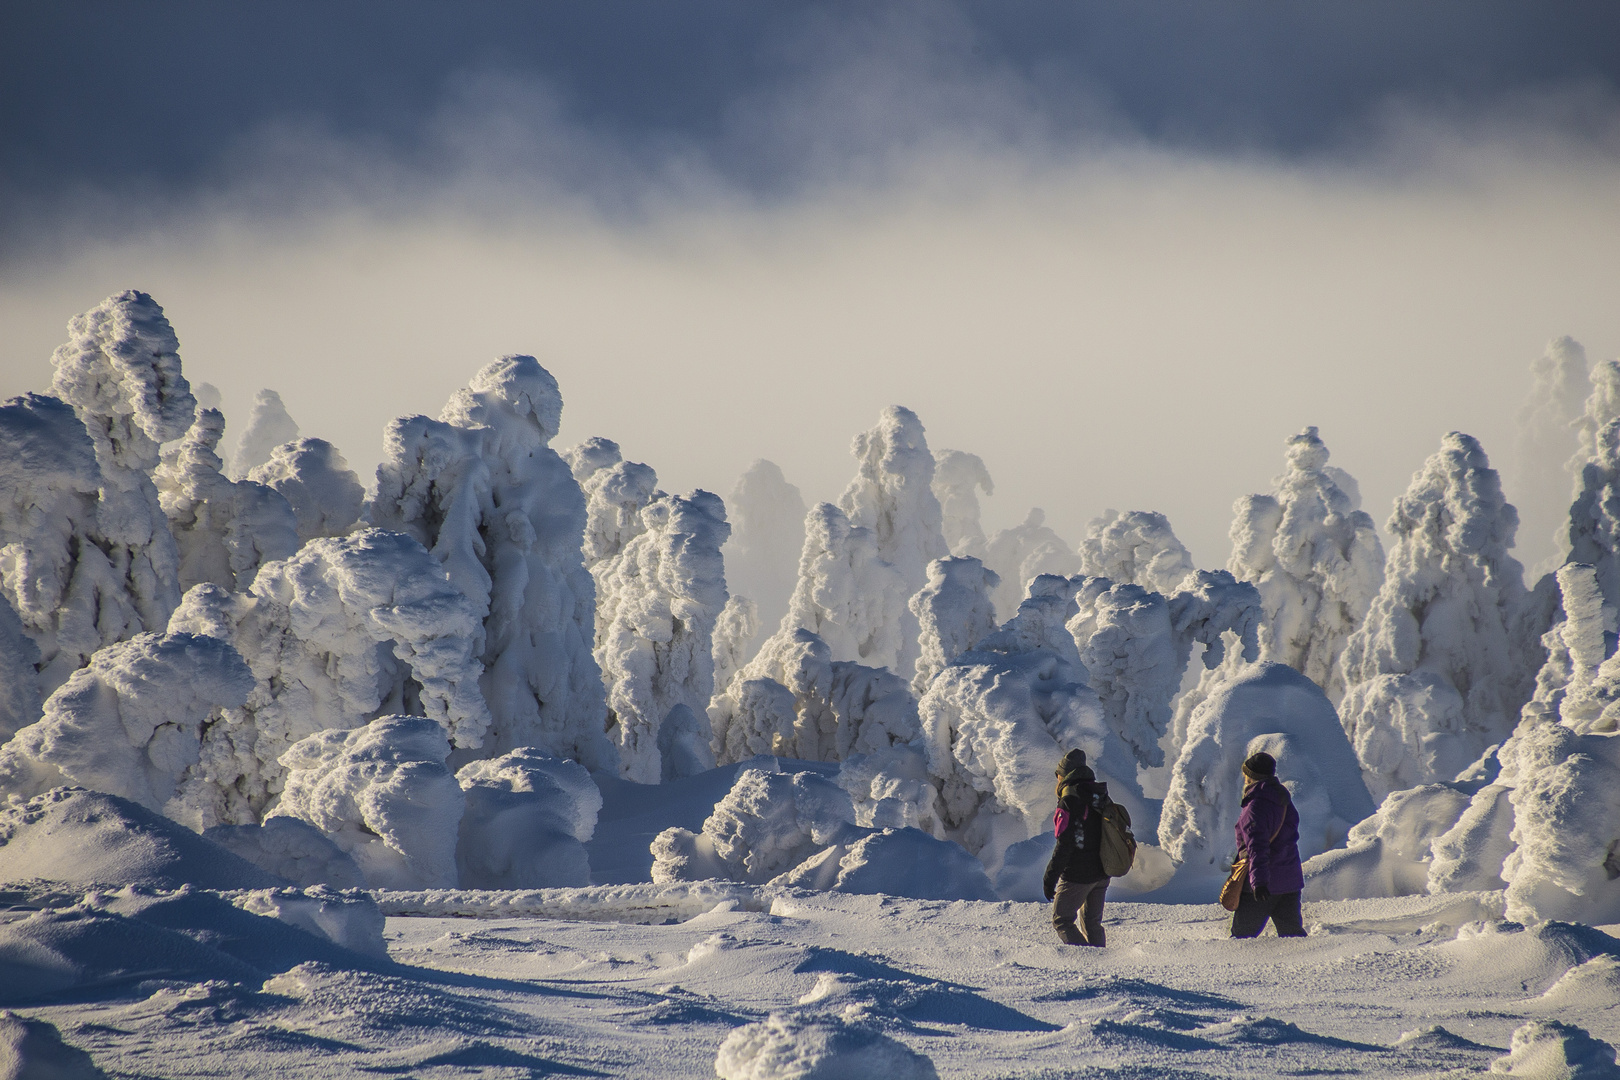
[(595, 982)]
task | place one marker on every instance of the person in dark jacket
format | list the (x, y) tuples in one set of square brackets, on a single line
[(1268, 833), (1075, 881)]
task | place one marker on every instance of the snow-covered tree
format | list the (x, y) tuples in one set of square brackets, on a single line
[(20, 699), (527, 818), (794, 700), (120, 370), (1546, 440), (1023, 553), (616, 491), (660, 598), (958, 479), (132, 723), (483, 490), (848, 595), (325, 494), (342, 632), (892, 496), (767, 535), (1602, 405), (955, 613), (1135, 548), (734, 634), (268, 427), (225, 529), (1442, 664), (382, 793)]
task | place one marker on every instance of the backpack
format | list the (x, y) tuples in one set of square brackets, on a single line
[(1118, 845)]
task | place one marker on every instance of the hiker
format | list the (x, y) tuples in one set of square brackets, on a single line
[(1268, 837), (1075, 880)]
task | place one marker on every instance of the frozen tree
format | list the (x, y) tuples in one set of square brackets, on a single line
[(527, 818), (955, 613), (1546, 440), (69, 595), (120, 370), (484, 491), (999, 717), (345, 630), (1137, 548), (794, 700), (848, 594), (767, 535), (1137, 645), (19, 674), (325, 494), (225, 529), (615, 491), (892, 496), (207, 396), (268, 427), (660, 597), (1602, 406), (132, 723), (1020, 554), (382, 793), (1275, 709), (958, 479), (734, 634), (1441, 666)]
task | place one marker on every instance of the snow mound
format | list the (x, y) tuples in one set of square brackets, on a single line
[(1566, 810), (351, 920), (132, 722), (527, 817), (325, 494), (383, 794), (290, 849), (1549, 1050), (816, 1048), (1276, 709), (34, 1050), (89, 837), (1391, 852), (1532, 959), (896, 862)]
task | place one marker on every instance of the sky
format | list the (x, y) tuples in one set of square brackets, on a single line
[(1120, 250)]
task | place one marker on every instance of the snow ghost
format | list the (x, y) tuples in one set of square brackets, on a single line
[(848, 595), (958, 478), (1547, 438), (482, 489), (1443, 663), (1019, 555), (268, 427), (954, 612), (767, 535), (1135, 548), (325, 494)]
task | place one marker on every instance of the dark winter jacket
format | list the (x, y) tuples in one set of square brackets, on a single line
[(1077, 825), (1274, 863)]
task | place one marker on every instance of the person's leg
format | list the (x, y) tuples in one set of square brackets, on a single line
[(1251, 916), (1287, 917), (1065, 905), (1094, 914)]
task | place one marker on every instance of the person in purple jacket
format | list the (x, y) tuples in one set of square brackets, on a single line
[(1268, 833)]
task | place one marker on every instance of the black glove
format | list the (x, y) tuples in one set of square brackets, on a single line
[(1262, 893), (1049, 885)]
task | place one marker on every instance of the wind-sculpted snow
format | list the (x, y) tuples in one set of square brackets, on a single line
[(268, 427), (1020, 554), (1275, 709), (847, 594), (892, 495), (226, 530), (958, 479), (382, 793), (1390, 853), (660, 597), (1444, 662), (483, 490), (120, 370), (20, 699), (1137, 548), (794, 700), (528, 815), (767, 535), (999, 717), (133, 724), (784, 1047), (291, 849), (345, 629), (315, 479), (955, 613), (1546, 439)]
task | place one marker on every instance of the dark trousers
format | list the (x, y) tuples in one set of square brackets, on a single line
[(1073, 897), (1282, 909)]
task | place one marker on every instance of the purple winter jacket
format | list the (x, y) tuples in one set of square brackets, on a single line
[(1272, 863)]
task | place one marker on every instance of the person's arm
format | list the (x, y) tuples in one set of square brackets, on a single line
[(1063, 826), (1263, 819)]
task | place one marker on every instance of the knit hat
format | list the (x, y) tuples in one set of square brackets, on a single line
[(1074, 759), (1261, 766)]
